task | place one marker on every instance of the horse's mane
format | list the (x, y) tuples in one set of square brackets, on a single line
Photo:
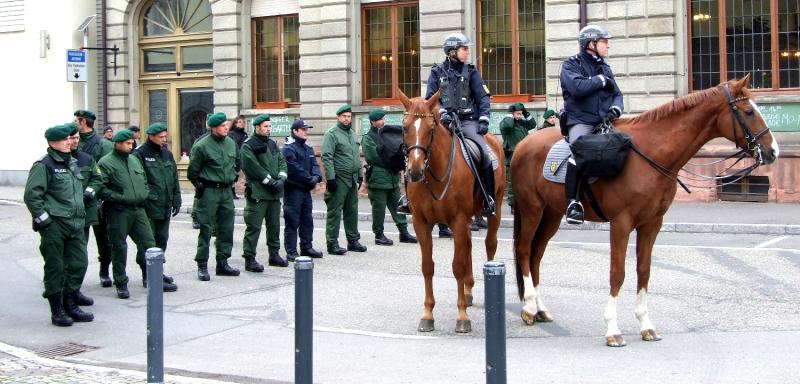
[(676, 106)]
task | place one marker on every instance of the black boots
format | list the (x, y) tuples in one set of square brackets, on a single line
[(445, 232), (355, 246), (381, 239), (202, 272), (82, 299), (251, 265), (406, 237), (489, 205), (122, 291), (574, 206), (74, 311), (311, 252), (335, 249), (402, 206), (57, 315), (223, 269), (275, 260), (168, 285), (105, 279)]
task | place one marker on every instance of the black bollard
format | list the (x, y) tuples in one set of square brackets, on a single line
[(494, 273), (303, 320), (154, 258)]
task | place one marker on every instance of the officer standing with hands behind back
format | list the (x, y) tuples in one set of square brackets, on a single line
[(514, 128)]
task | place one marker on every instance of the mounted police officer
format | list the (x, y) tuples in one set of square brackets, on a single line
[(54, 196), (265, 171), (590, 96), (213, 166), (514, 128), (123, 188), (164, 200), (94, 145), (303, 177)]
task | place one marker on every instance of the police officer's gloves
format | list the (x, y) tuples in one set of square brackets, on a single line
[(330, 185), (613, 113), (175, 211), (525, 113), (88, 193), (610, 84), (276, 185), (360, 181), (446, 118), (483, 127), (42, 222)]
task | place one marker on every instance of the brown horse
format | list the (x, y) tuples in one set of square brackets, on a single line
[(442, 190), (635, 199)]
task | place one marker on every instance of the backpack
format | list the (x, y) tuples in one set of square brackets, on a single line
[(391, 148)]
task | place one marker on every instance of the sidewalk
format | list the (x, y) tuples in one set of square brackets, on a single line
[(683, 217)]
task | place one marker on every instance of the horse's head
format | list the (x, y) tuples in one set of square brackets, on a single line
[(419, 127), (749, 130)]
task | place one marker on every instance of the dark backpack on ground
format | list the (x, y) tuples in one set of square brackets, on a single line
[(601, 155), (391, 148)]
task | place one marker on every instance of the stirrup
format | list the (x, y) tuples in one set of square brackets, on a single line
[(575, 212), (402, 206), (489, 208)]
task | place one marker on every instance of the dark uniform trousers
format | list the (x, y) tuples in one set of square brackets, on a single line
[(215, 210), (343, 202), (63, 248), (297, 217), (101, 239), (379, 199), (124, 221), (160, 230), (256, 213)]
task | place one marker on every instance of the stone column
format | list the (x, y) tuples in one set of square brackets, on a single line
[(227, 56)]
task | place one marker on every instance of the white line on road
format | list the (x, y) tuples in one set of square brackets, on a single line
[(369, 333), (771, 241)]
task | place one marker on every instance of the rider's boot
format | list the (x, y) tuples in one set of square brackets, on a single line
[(487, 177), (571, 183), (402, 206)]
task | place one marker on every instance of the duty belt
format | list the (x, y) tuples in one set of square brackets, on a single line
[(214, 184)]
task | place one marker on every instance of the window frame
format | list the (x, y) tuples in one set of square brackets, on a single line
[(254, 64), (393, 6), (515, 96), (723, 50)]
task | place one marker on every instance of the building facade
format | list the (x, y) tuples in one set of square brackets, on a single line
[(180, 59)]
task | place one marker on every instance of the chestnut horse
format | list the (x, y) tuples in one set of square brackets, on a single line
[(442, 189), (638, 197)]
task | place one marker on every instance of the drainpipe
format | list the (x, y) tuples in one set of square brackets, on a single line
[(104, 55), (581, 13)]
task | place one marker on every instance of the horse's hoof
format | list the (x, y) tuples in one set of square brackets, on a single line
[(469, 299), (425, 325), (615, 341), (544, 317), (650, 335), (463, 326), (528, 318)]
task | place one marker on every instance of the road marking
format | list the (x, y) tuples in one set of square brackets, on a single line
[(369, 333), (771, 241)]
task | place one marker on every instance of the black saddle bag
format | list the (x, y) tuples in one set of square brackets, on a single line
[(601, 155)]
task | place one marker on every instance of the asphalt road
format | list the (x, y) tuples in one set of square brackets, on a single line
[(726, 305)]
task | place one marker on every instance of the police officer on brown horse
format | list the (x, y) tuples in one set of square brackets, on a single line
[(590, 96)]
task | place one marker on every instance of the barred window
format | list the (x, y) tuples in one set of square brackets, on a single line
[(276, 56), (752, 36), (511, 52), (390, 51)]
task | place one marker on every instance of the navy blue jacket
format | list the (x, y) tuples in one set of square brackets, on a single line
[(301, 164), (585, 98), (480, 94)]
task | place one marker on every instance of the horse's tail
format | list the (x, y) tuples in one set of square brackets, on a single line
[(517, 267)]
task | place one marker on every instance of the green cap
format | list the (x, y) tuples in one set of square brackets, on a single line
[(85, 114), (376, 114), (122, 135), (549, 113), (156, 128), (216, 119), (343, 109), (515, 107), (71, 128), (56, 133), (260, 119)]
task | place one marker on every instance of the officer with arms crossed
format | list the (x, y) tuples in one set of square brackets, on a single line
[(590, 96)]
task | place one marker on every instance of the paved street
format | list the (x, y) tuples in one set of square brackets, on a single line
[(727, 305)]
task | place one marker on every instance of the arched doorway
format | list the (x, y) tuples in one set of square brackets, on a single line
[(175, 68)]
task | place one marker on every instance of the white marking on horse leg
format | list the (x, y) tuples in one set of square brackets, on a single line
[(611, 317), (641, 310), (529, 296), (539, 302)]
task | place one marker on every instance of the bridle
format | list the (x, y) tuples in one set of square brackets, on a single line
[(752, 140), (427, 152)]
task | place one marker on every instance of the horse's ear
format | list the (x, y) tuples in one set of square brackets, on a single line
[(433, 102), (404, 99), (744, 82)]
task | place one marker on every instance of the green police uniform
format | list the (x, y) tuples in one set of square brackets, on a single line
[(93, 144), (383, 186), (265, 170), (123, 189), (54, 197), (342, 165), (165, 194), (213, 167), (513, 132)]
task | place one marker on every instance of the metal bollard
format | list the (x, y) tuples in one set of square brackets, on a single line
[(494, 273), (155, 315), (303, 320)]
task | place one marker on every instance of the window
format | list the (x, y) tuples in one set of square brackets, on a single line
[(276, 75), (175, 39), (391, 51), (177, 17), (760, 37), (510, 51)]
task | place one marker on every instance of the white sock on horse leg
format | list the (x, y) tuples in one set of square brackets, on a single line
[(539, 302), (530, 296), (641, 310), (610, 316)]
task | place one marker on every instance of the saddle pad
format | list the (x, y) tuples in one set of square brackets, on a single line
[(471, 149), (555, 165)]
